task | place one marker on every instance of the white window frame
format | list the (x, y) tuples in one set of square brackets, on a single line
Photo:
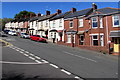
[(71, 21), (60, 22), (102, 40), (94, 39), (113, 19), (95, 21), (53, 23), (101, 22), (68, 38), (80, 22)]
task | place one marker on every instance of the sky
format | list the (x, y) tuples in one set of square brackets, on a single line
[(9, 9)]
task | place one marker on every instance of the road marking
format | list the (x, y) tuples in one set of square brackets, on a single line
[(20, 51), (7, 62), (80, 56), (45, 61), (32, 54), (32, 58), (38, 61), (78, 78), (54, 66), (65, 71), (25, 54), (37, 57), (17, 50)]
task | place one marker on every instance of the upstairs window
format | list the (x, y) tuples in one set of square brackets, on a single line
[(116, 21), (80, 23), (54, 24), (94, 23), (46, 23), (60, 23), (71, 24)]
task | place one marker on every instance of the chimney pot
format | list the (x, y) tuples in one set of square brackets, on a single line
[(38, 14), (47, 13), (58, 11), (73, 10), (94, 6)]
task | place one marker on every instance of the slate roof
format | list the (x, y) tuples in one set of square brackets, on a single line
[(78, 13), (108, 10), (47, 17), (60, 15)]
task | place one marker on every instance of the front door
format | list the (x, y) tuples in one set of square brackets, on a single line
[(116, 44)]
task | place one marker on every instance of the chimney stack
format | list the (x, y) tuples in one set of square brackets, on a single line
[(58, 11), (73, 10), (47, 13), (94, 6), (38, 14)]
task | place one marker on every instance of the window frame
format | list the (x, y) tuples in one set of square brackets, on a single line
[(71, 21), (95, 21), (101, 22), (81, 41), (80, 21), (94, 40), (69, 40), (113, 20)]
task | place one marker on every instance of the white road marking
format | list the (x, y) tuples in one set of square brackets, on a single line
[(32, 54), (65, 71), (38, 61), (7, 62), (17, 50), (80, 56), (54, 66), (25, 54), (20, 51), (32, 58), (37, 57), (45, 61)]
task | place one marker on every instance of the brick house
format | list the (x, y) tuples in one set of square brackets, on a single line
[(96, 29)]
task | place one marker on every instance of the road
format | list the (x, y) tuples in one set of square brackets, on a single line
[(61, 61)]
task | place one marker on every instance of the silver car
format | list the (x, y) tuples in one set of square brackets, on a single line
[(24, 35)]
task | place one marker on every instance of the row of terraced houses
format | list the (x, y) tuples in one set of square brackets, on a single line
[(91, 28)]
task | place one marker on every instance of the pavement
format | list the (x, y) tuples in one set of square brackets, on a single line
[(65, 62)]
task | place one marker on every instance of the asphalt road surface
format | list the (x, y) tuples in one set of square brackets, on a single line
[(49, 60)]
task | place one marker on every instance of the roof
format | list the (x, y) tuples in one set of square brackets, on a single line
[(60, 15), (47, 17), (108, 10), (104, 11), (78, 13)]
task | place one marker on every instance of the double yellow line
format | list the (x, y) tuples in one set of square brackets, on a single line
[(6, 43)]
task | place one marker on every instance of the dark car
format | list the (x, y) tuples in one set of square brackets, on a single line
[(38, 38), (6, 31)]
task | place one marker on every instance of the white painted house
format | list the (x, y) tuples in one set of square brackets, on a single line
[(56, 30)]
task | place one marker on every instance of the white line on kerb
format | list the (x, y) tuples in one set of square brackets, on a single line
[(54, 66), (80, 56), (65, 71)]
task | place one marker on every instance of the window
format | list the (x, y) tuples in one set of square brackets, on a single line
[(41, 24), (46, 23), (54, 24), (116, 21), (80, 22), (101, 40), (94, 23), (71, 24), (60, 23), (81, 42), (69, 38), (95, 40), (101, 23)]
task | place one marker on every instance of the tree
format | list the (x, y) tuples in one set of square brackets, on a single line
[(22, 14), (4, 21)]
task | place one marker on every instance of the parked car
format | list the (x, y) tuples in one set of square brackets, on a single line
[(38, 38), (6, 31), (24, 35), (2, 34), (13, 33)]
